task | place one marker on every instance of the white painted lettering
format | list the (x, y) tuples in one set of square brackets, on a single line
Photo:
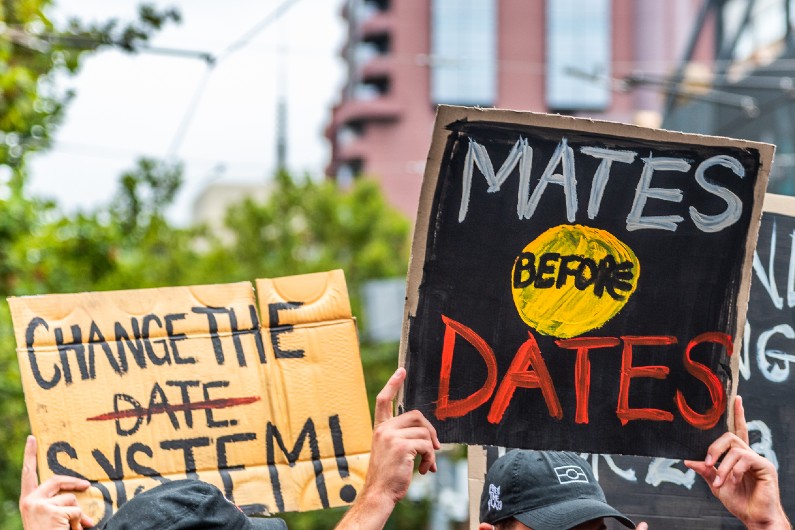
[(564, 157), (663, 470), (602, 174), (644, 191), (734, 206), (791, 274), (768, 279), (775, 372), (765, 444)]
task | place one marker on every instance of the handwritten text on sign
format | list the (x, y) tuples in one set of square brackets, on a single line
[(133, 388), (579, 285)]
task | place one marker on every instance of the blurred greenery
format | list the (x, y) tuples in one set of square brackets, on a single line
[(304, 225)]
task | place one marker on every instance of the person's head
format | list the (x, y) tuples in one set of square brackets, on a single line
[(544, 490), (185, 505)]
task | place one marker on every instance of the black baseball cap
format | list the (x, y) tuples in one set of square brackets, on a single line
[(185, 505), (544, 490)]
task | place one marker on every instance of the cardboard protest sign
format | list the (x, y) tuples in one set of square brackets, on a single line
[(662, 491), (579, 285), (263, 397)]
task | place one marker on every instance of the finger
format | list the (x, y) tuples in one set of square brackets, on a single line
[(642, 526), (74, 515), (415, 418), (725, 467), (721, 445), (704, 471), (86, 521), (413, 433), (64, 499), (425, 449), (57, 483), (30, 481), (740, 426), (383, 402)]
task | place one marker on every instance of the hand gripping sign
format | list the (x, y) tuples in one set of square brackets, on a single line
[(263, 397), (579, 285)]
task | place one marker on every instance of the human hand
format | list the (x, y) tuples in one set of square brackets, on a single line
[(642, 526), (44, 507), (745, 482), (397, 441)]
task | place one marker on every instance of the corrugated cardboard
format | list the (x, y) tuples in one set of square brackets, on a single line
[(207, 396)]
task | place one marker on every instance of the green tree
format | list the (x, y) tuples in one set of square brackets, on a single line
[(48, 252), (304, 225), (33, 54)]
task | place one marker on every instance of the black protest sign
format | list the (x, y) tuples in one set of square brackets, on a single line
[(579, 285), (662, 491)]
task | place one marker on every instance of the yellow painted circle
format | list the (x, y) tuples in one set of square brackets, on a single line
[(591, 272)]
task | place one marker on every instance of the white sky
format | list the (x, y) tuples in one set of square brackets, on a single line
[(127, 106)]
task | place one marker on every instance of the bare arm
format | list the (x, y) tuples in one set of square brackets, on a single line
[(745, 482), (396, 442), (45, 507)]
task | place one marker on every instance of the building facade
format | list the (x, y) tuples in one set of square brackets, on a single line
[(746, 89), (605, 59)]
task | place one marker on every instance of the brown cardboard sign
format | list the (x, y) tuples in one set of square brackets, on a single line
[(579, 285), (263, 397)]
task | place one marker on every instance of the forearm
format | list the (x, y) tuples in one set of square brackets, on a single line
[(777, 521), (370, 512)]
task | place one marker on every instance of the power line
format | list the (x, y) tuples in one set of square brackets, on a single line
[(190, 111), (187, 118), (41, 42), (274, 15)]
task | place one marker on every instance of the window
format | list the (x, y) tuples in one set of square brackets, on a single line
[(578, 55), (463, 52)]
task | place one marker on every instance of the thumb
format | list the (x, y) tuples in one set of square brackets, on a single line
[(30, 480)]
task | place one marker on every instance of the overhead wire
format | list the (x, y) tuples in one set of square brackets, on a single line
[(198, 93)]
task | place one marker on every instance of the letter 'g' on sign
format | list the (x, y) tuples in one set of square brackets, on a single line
[(572, 279)]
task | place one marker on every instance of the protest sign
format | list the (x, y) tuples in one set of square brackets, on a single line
[(579, 285), (662, 491), (262, 397)]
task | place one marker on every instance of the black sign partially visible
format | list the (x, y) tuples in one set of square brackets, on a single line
[(579, 285), (662, 491)]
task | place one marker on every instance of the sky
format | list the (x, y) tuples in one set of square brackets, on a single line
[(128, 106)]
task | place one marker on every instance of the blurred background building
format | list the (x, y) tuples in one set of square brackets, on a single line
[(605, 59), (747, 89)]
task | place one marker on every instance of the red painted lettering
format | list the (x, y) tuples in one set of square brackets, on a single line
[(628, 372), (702, 372), (445, 408), (582, 368), (518, 376)]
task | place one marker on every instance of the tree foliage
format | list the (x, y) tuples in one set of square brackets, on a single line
[(304, 225)]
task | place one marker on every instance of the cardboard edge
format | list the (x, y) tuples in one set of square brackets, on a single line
[(766, 154), (557, 121), (476, 479), (780, 204), (418, 243)]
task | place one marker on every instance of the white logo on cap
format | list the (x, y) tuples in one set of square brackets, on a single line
[(569, 474), (494, 497)]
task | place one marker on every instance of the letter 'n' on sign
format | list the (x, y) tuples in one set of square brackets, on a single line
[(258, 392), (580, 285)]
